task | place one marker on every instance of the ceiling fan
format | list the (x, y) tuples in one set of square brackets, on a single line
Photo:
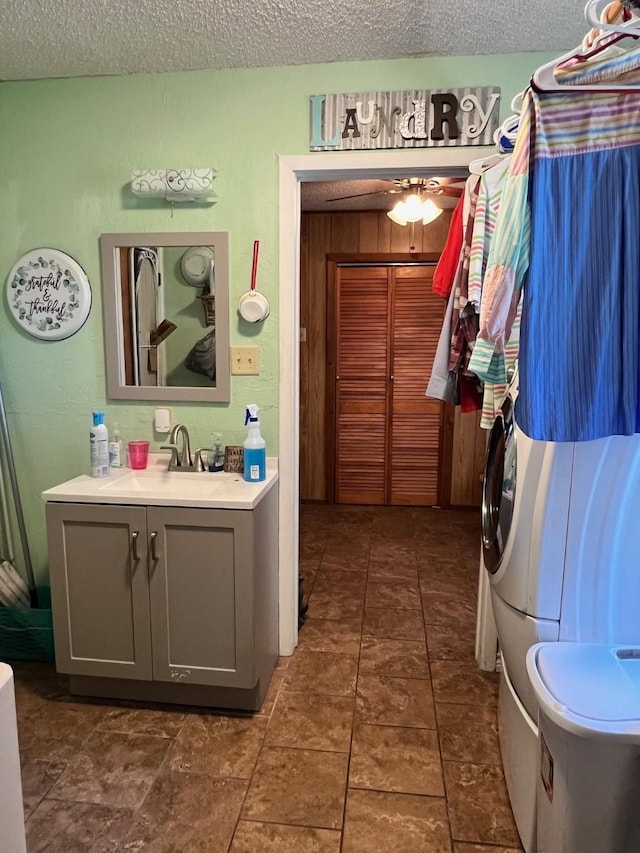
[(414, 186)]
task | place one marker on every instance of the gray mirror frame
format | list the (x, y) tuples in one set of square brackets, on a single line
[(111, 300)]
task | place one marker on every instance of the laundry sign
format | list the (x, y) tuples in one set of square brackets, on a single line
[(421, 118)]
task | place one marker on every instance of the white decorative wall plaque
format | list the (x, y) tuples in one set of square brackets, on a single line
[(419, 118), (49, 294)]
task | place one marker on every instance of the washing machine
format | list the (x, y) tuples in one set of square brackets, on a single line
[(559, 524)]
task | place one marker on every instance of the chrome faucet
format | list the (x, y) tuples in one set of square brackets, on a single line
[(185, 460), (181, 457)]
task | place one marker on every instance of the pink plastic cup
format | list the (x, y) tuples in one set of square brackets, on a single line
[(138, 454)]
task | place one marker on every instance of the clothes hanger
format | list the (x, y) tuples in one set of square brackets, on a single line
[(544, 79), (602, 18), (613, 13), (506, 135), (479, 166)]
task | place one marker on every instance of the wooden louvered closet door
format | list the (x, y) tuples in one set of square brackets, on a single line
[(388, 433)]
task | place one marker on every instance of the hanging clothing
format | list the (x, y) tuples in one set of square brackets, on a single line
[(450, 379), (492, 182), (568, 233), (445, 270), (442, 383)]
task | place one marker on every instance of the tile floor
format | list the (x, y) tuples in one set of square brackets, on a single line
[(377, 736)]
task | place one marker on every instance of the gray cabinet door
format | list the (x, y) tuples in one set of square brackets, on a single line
[(99, 589), (201, 592)]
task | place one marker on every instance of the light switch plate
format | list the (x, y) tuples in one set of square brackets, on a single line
[(245, 361)]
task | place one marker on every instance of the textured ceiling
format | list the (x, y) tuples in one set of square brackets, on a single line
[(68, 38), (376, 194)]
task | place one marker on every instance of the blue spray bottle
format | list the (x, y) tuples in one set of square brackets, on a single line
[(255, 452)]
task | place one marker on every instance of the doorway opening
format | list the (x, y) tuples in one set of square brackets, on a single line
[(293, 170)]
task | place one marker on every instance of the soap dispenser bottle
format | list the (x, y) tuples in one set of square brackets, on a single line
[(99, 444), (216, 456), (116, 452), (255, 453)]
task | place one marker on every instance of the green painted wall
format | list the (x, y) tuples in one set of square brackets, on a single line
[(67, 149)]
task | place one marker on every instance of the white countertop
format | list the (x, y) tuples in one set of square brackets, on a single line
[(156, 486)]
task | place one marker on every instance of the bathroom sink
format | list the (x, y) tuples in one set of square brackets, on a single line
[(152, 481), (156, 486), (171, 485)]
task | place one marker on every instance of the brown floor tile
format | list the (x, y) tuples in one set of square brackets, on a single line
[(339, 580), (392, 570), (112, 769), (463, 683), (406, 658), (271, 695), (385, 624), (390, 758), (38, 777), (68, 827), (393, 522), (395, 823), (395, 596), (390, 551), (341, 636), (308, 581), (449, 642), (309, 564), (335, 605), (450, 578), (351, 553), (322, 672), (253, 837), (437, 543), (479, 807), (468, 733), (140, 721), (311, 722), (298, 786), (346, 562), (440, 609), (219, 746), (54, 730), (185, 812), (395, 702), (311, 549), (482, 848)]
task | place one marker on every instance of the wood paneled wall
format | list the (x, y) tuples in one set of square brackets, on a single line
[(373, 232)]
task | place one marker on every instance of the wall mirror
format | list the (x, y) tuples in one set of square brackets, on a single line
[(166, 315)]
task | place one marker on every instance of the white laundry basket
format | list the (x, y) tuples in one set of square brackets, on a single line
[(588, 786)]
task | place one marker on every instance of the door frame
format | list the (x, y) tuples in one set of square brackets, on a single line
[(382, 259), (293, 170)]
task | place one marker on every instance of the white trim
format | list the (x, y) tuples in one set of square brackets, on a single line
[(341, 166)]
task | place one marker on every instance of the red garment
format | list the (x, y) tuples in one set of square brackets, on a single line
[(470, 396), (447, 265)]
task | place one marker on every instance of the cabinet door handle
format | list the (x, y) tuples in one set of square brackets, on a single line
[(134, 546), (154, 556)]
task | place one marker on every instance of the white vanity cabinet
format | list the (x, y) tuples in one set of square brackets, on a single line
[(164, 603)]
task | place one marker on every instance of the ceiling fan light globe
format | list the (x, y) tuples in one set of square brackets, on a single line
[(397, 214), (412, 211), (430, 211)]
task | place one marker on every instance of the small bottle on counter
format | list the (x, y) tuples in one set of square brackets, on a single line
[(255, 454), (116, 448), (99, 444), (216, 454)]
